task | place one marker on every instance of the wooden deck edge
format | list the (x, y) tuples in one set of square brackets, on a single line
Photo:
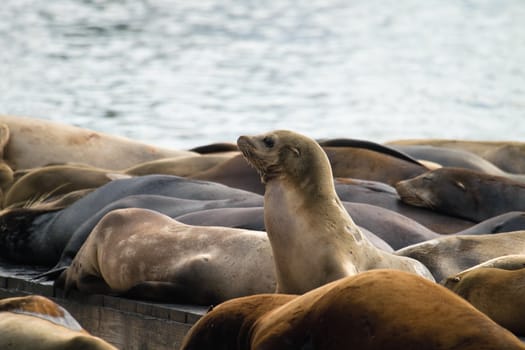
[(127, 324)]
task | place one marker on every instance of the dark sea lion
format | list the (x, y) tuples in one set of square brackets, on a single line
[(314, 240), (41, 235), (463, 193), (37, 323), (498, 291), (219, 147), (511, 221), (507, 155), (252, 219), (386, 196), (448, 255), (145, 254), (374, 310), (37, 142)]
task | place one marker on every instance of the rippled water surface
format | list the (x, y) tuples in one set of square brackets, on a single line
[(186, 73)]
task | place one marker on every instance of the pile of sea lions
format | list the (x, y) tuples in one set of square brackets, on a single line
[(296, 243)]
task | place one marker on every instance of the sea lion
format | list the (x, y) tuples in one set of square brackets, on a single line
[(507, 155), (36, 322), (6, 173), (386, 196), (495, 288), (252, 219), (44, 183), (314, 240), (448, 255), (37, 142), (463, 193), (511, 221), (41, 183), (377, 309), (180, 166), (218, 147), (145, 254), (39, 235), (456, 158), (377, 163)]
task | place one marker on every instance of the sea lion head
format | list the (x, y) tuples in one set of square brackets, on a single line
[(284, 154)]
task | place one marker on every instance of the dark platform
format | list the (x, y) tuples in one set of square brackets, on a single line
[(127, 324)]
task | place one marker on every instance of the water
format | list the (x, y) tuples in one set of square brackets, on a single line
[(186, 73)]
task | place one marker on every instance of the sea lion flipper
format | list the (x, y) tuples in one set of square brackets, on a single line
[(4, 137)]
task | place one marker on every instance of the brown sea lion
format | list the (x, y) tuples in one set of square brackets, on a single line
[(35, 322), (37, 142), (145, 254), (507, 155), (180, 166), (46, 182), (374, 164), (448, 157), (374, 310), (314, 240), (496, 288), (448, 255), (6, 173), (463, 193)]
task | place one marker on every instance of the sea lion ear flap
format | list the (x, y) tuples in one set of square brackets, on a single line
[(295, 151)]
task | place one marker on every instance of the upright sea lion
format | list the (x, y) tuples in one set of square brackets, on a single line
[(36, 142), (507, 155), (496, 288), (35, 322), (464, 193), (145, 254), (448, 255), (374, 310), (314, 240)]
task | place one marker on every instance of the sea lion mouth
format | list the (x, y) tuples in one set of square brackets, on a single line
[(249, 151), (409, 196)]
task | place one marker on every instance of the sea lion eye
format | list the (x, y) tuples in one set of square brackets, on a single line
[(268, 142)]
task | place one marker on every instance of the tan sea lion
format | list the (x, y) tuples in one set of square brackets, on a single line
[(37, 323), (463, 193), (374, 310), (449, 255), (145, 254), (180, 166), (496, 288), (48, 182), (314, 240), (37, 142), (507, 155)]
